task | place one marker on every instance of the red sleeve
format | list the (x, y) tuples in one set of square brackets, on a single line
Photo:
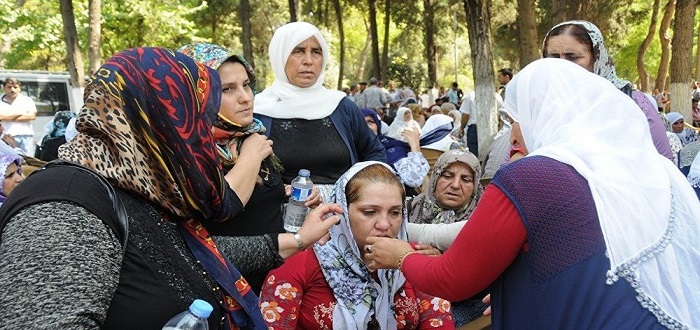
[(486, 246), (282, 293)]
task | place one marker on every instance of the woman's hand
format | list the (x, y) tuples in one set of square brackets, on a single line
[(255, 145), (487, 301), (314, 199), (413, 138), (384, 252), (426, 249), (318, 222)]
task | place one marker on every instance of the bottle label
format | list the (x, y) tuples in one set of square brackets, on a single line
[(300, 194)]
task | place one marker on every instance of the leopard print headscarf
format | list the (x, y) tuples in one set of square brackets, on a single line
[(146, 126)]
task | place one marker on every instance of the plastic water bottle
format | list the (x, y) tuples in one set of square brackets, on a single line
[(194, 318), (296, 210)]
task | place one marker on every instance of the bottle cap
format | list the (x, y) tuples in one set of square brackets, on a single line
[(201, 308), (304, 172)]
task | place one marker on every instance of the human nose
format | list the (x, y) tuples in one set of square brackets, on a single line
[(382, 223), (307, 58)]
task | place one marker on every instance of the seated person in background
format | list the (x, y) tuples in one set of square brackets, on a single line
[(436, 139), (403, 121), (451, 196), (412, 167), (11, 167), (54, 135), (685, 134), (330, 285), (689, 163)]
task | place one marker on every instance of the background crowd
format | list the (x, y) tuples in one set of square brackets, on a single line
[(176, 173)]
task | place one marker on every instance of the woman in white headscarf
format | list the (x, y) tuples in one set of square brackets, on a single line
[(403, 121), (311, 126), (330, 286), (574, 215)]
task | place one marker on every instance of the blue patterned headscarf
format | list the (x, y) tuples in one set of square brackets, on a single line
[(358, 295)]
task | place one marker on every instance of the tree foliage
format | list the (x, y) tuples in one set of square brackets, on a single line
[(33, 39)]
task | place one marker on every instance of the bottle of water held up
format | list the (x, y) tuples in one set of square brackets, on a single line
[(194, 318), (296, 210)]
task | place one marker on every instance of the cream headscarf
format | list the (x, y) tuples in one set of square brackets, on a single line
[(284, 100), (649, 214)]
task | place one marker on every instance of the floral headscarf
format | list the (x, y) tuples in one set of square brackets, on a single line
[(358, 295), (146, 126), (7, 158), (426, 209), (226, 131), (604, 65)]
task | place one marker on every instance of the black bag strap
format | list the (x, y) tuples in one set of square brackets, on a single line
[(62, 180)]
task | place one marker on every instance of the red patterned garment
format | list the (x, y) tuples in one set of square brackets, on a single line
[(297, 296)]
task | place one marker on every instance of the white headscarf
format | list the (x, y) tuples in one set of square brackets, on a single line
[(433, 122), (648, 212), (399, 124), (352, 284), (694, 172), (284, 100)]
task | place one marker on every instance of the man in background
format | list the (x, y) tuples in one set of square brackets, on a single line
[(17, 111)]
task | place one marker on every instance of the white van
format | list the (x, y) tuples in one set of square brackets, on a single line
[(51, 92)]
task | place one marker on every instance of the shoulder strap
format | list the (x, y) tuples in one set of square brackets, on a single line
[(61, 180)]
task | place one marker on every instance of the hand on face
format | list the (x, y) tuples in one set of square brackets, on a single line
[(384, 252), (318, 222)]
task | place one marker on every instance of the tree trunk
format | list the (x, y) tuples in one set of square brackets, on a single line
[(375, 38), (681, 75), (293, 9), (244, 10), (73, 55), (341, 36), (430, 47), (478, 18), (665, 45), (94, 35), (385, 50), (697, 53), (527, 32), (641, 54)]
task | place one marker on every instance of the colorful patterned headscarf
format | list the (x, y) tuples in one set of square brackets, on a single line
[(358, 295), (426, 209), (7, 158), (226, 131), (604, 65), (146, 126)]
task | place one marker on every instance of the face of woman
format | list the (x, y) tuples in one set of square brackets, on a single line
[(237, 96), (407, 116), (455, 186), (569, 48), (677, 127), (378, 212), (372, 125), (516, 136), (12, 178), (304, 63)]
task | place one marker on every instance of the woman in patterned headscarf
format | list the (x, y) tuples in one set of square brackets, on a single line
[(252, 171), (145, 127), (582, 43), (453, 190), (11, 168), (330, 286)]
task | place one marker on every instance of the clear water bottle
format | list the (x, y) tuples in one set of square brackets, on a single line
[(296, 211), (194, 318)]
